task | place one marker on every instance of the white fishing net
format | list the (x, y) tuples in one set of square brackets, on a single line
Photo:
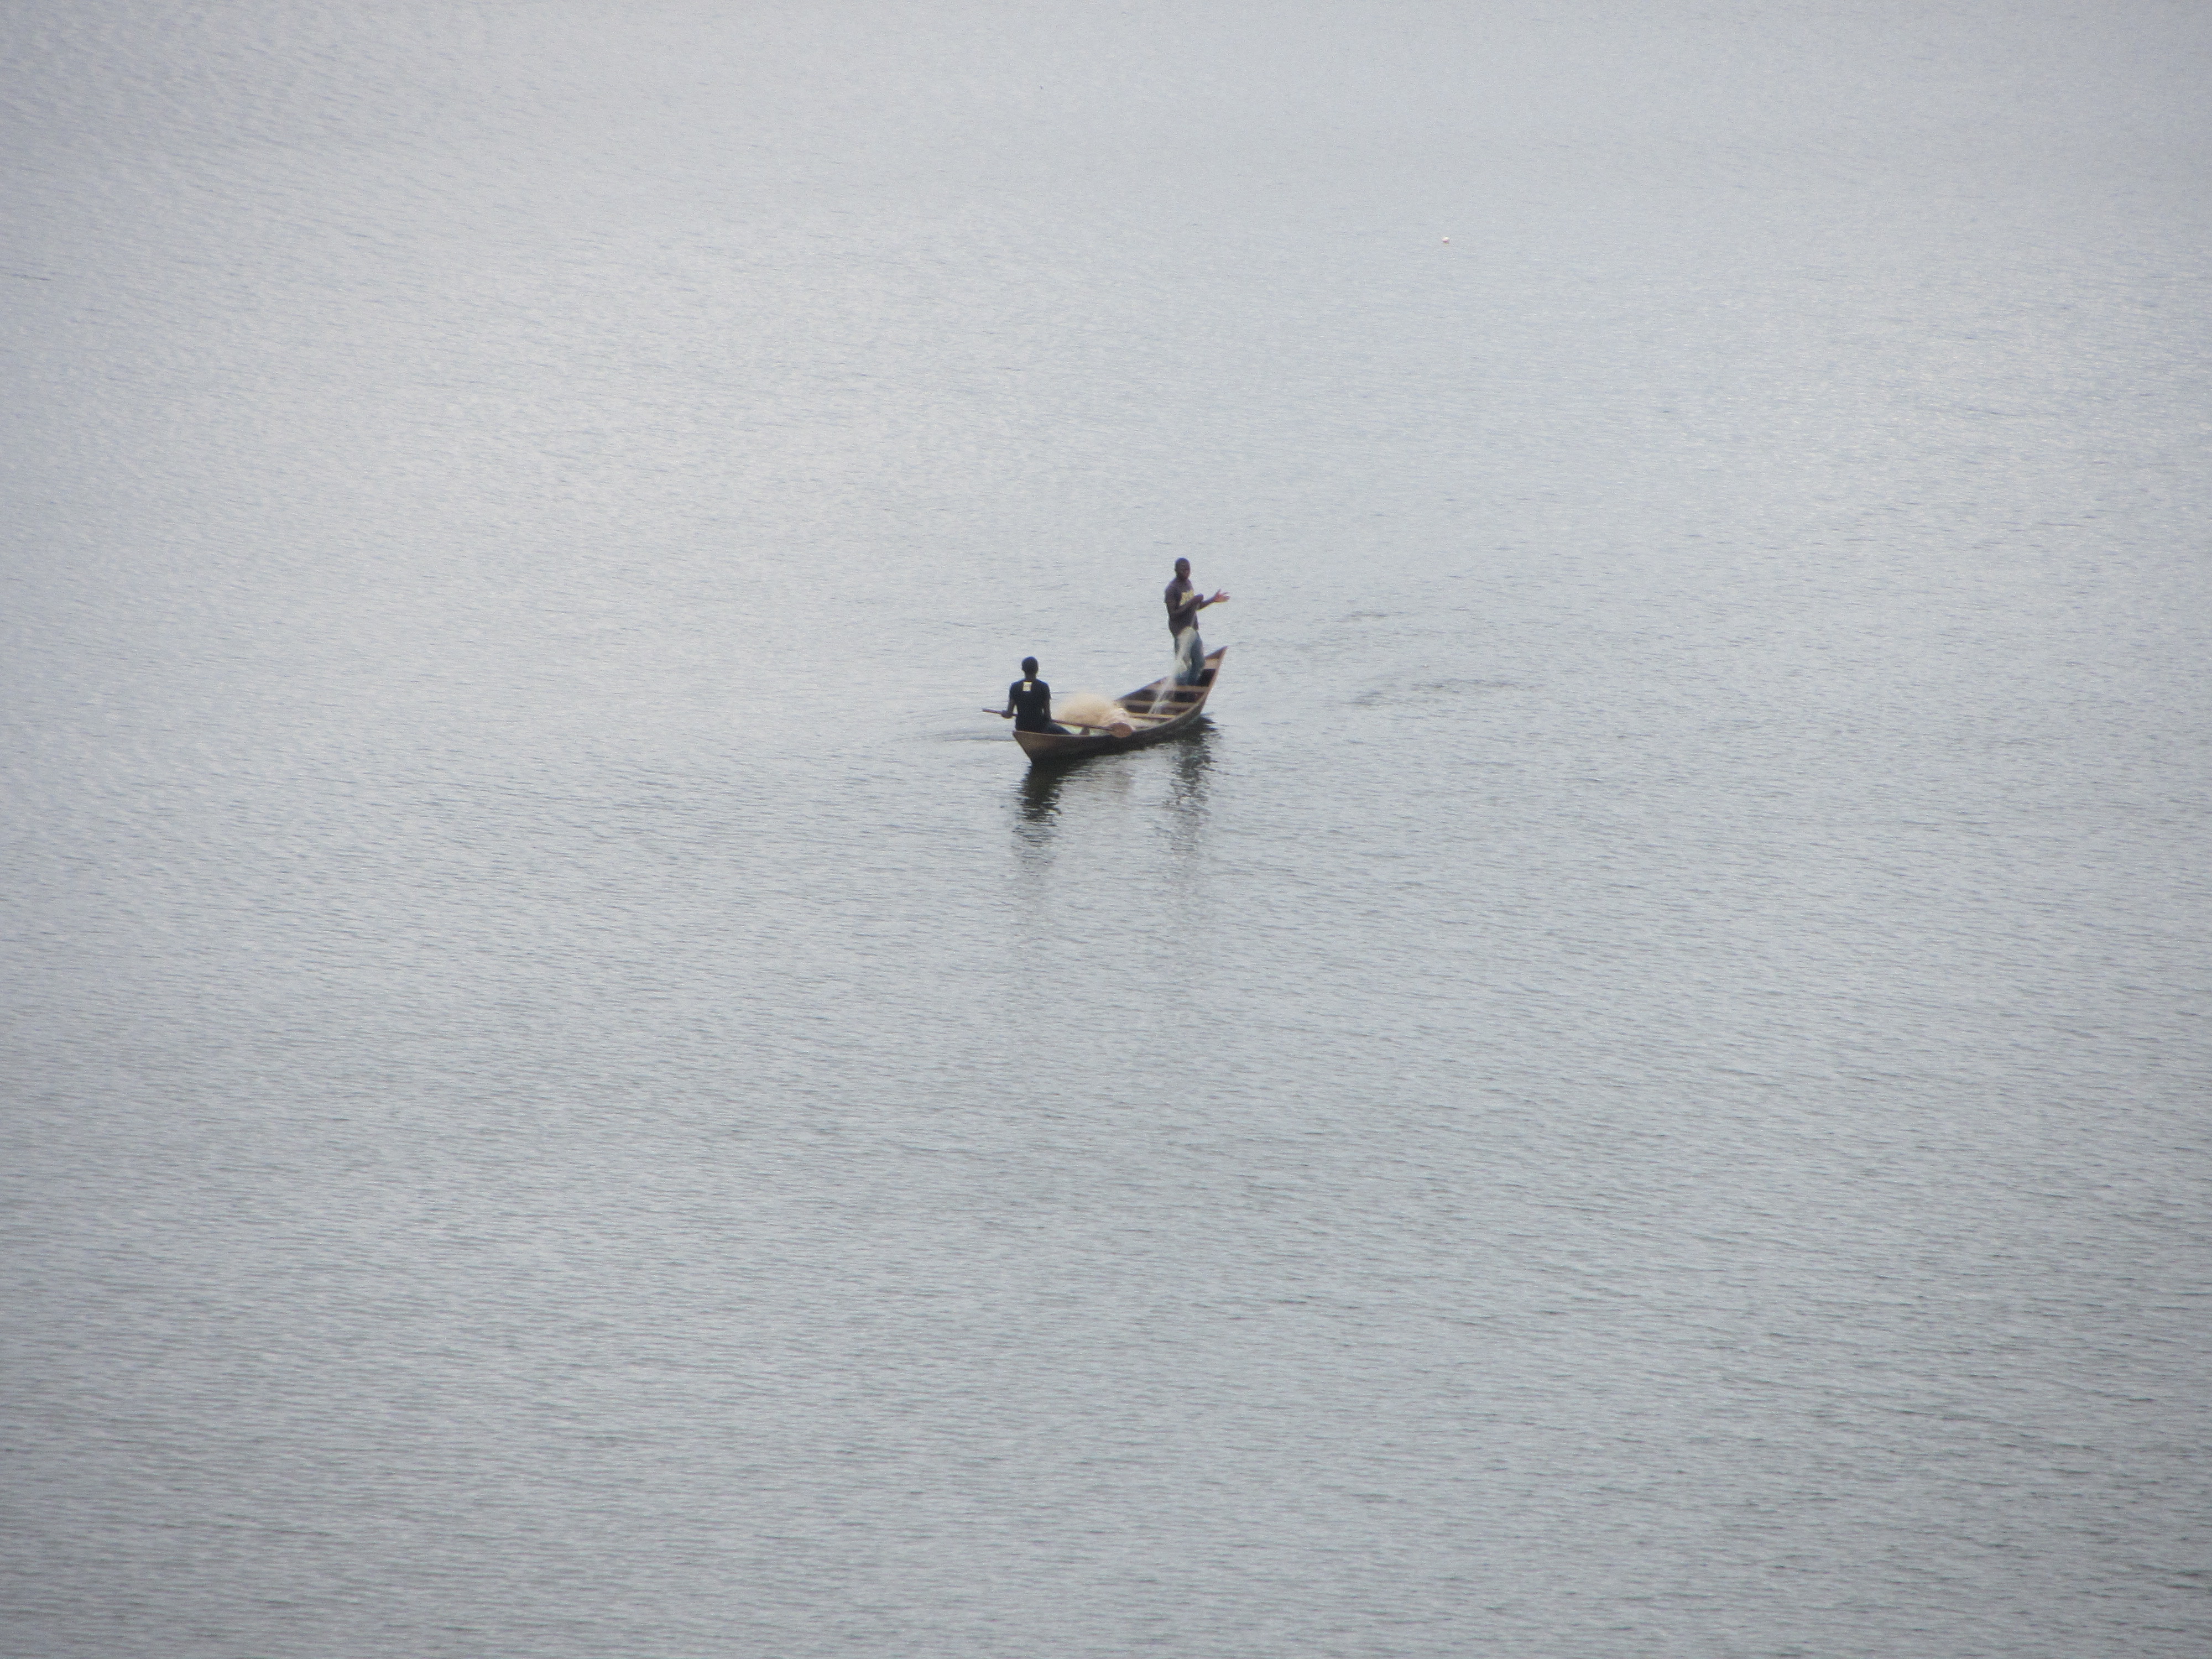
[(1087, 708)]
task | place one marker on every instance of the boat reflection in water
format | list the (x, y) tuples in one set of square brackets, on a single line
[(1187, 803), (1045, 790)]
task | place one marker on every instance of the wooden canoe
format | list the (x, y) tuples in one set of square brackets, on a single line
[(1150, 712)]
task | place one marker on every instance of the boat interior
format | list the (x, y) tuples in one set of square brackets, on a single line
[(1159, 702)]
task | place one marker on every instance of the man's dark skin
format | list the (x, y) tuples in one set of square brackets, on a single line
[(1183, 602)]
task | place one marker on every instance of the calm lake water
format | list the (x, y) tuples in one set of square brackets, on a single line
[(1642, 1089)]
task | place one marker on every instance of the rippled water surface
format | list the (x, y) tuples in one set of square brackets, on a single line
[(1641, 1090)]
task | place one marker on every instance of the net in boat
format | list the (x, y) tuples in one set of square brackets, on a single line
[(1088, 709)]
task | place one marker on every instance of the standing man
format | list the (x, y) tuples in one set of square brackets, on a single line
[(1029, 702), (1183, 606)]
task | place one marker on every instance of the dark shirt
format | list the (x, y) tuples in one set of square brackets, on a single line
[(1182, 605), (1031, 701)]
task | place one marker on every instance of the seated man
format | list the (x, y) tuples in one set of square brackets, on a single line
[(1029, 702)]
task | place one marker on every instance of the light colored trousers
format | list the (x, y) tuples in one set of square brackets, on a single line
[(1190, 657)]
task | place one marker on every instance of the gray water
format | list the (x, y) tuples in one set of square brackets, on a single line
[(1641, 1091)]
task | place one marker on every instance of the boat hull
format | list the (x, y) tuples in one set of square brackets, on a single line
[(1157, 711)]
